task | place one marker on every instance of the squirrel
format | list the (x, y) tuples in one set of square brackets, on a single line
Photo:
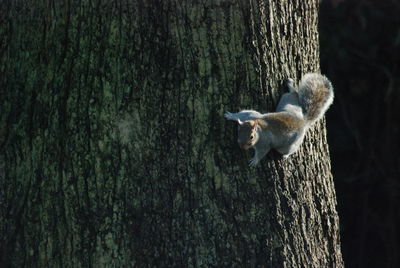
[(284, 130)]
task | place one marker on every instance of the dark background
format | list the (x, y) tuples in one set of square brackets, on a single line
[(360, 46)]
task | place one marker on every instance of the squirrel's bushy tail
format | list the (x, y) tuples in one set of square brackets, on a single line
[(315, 96)]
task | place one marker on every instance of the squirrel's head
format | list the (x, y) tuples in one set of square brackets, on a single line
[(247, 133)]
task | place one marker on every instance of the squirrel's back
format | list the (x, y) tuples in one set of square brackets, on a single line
[(315, 96)]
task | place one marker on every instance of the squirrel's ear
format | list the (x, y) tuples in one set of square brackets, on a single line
[(254, 124), (239, 122)]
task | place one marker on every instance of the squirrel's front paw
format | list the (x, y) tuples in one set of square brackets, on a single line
[(229, 116), (253, 162)]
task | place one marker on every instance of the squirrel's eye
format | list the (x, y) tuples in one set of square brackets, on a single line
[(251, 137)]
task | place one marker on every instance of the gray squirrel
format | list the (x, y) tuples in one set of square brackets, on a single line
[(284, 129)]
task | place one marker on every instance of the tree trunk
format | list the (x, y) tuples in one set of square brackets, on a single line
[(114, 149)]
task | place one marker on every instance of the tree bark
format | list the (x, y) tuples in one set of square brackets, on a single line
[(114, 149)]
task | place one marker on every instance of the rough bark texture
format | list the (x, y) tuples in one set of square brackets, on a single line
[(114, 150)]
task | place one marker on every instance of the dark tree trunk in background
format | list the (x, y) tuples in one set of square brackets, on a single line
[(114, 149)]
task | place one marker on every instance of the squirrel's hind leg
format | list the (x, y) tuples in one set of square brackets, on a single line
[(230, 116)]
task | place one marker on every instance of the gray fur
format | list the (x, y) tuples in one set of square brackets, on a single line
[(316, 95), (285, 129)]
